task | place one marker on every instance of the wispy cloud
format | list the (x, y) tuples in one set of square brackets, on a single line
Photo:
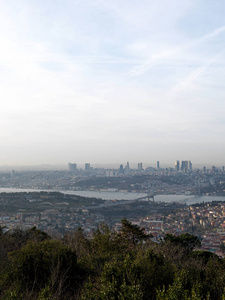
[(72, 78), (213, 34), (157, 58), (194, 75)]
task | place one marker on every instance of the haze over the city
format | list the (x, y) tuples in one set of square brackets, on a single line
[(112, 81)]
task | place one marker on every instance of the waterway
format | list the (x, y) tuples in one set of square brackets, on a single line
[(188, 199)]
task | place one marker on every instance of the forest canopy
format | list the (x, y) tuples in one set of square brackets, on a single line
[(112, 265)]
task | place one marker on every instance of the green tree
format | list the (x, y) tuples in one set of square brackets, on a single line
[(116, 282), (152, 271), (79, 243), (49, 263), (186, 240), (180, 289), (133, 234)]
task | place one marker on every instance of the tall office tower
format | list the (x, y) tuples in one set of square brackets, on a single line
[(222, 168), (158, 165), (190, 165), (204, 169), (72, 167), (121, 170), (140, 166), (177, 166), (87, 166), (214, 169), (127, 168), (184, 165)]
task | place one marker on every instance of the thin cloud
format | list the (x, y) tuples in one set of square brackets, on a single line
[(213, 33), (71, 78), (194, 75), (143, 68)]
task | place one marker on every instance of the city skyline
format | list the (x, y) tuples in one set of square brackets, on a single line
[(76, 166), (111, 81)]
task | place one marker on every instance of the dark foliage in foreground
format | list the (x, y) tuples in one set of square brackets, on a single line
[(114, 266)]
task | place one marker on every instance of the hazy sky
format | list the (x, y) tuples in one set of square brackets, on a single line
[(112, 81)]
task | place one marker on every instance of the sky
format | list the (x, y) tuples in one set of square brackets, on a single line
[(111, 81)]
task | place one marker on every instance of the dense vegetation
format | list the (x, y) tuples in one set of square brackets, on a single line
[(116, 266)]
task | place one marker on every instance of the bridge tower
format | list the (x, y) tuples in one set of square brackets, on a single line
[(150, 190), (197, 187)]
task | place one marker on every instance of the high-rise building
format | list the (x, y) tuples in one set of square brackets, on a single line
[(184, 165), (87, 166), (72, 167), (127, 168), (140, 166), (214, 169), (158, 165), (121, 170), (190, 165), (177, 166)]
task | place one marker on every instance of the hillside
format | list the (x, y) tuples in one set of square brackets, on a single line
[(111, 265)]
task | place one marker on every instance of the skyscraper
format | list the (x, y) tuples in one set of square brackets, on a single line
[(140, 166), (127, 168), (121, 170), (72, 167), (158, 165), (184, 165), (87, 166), (177, 166)]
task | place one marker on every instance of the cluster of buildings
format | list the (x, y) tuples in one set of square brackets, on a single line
[(51, 212), (96, 178), (206, 221), (54, 221), (72, 167), (179, 166), (184, 165)]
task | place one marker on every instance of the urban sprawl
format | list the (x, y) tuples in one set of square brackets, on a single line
[(49, 201)]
